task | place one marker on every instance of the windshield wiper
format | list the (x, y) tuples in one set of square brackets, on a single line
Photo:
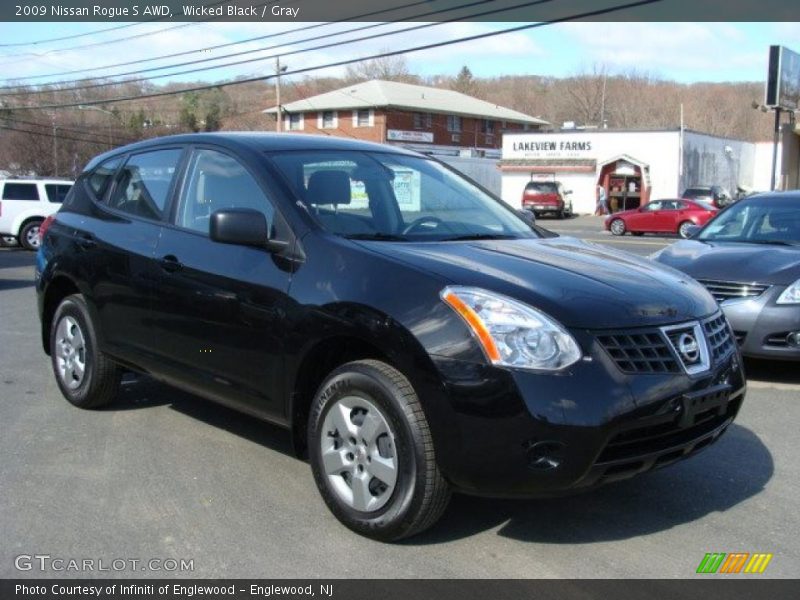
[(377, 236), (480, 236)]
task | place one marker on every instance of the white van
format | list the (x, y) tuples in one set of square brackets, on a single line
[(25, 203)]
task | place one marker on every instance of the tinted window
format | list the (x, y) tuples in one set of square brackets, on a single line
[(102, 175), (56, 192), (144, 183), (20, 191), (541, 187), (215, 181)]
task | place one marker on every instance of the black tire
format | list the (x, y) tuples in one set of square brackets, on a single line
[(617, 227), (560, 214), (101, 377), (29, 235), (420, 493)]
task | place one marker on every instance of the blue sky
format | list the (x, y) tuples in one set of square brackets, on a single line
[(685, 52)]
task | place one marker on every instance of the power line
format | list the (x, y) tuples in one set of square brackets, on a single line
[(53, 135), (199, 88), (292, 52), (217, 47), (71, 37), (82, 131), (299, 51)]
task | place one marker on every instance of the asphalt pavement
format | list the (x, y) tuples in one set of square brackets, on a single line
[(163, 475)]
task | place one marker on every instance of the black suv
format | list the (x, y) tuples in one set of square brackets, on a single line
[(415, 334)]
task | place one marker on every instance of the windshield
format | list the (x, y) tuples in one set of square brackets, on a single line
[(757, 221), (393, 197), (541, 187)]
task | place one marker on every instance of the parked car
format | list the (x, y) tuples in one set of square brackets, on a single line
[(542, 197), (25, 203), (413, 332), (661, 216), (749, 259), (711, 194)]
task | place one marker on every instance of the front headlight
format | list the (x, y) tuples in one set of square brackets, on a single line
[(791, 295), (513, 334)]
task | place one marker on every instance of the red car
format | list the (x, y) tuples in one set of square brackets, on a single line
[(661, 216), (547, 197)]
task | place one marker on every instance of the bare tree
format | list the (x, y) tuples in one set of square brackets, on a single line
[(389, 68)]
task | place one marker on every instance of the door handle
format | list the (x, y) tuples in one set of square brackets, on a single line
[(170, 263), (86, 241)]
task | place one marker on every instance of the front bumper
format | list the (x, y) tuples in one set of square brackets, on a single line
[(761, 326), (525, 434)]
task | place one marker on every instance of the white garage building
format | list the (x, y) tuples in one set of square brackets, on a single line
[(633, 166)]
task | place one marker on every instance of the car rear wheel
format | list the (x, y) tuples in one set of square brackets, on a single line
[(85, 376), (617, 227), (683, 229), (29, 235), (372, 453)]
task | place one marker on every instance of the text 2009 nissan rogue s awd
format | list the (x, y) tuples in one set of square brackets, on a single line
[(414, 333)]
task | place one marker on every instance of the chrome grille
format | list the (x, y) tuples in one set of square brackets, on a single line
[(657, 350), (645, 352), (720, 338), (727, 290)]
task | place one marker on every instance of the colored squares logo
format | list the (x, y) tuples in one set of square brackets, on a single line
[(734, 562)]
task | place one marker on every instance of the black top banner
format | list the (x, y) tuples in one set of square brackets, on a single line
[(365, 10)]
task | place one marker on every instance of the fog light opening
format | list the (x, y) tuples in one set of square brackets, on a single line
[(545, 456), (793, 339)]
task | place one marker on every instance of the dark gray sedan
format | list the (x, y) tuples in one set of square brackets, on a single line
[(748, 257)]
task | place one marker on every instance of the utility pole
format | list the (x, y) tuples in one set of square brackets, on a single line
[(775, 141), (279, 115), (55, 146)]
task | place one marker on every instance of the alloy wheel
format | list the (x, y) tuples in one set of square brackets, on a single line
[(32, 237)]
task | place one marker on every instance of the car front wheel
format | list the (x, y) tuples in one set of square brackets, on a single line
[(372, 452), (617, 227), (85, 376)]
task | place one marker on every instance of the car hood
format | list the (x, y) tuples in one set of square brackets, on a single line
[(582, 285), (726, 261)]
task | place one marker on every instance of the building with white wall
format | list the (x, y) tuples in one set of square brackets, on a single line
[(633, 166)]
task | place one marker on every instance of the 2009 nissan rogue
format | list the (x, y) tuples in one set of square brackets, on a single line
[(414, 332)]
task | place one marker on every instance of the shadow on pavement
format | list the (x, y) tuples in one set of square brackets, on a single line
[(15, 284), (776, 371), (729, 472), (139, 392)]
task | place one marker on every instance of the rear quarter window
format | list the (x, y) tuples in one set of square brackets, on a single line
[(56, 192), (20, 191), (101, 177)]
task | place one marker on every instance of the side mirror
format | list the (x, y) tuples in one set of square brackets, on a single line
[(567, 191), (692, 230), (527, 216), (243, 227)]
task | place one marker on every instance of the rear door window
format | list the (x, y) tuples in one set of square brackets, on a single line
[(101, 177), (144, 183), (56, 192), (21, 191)]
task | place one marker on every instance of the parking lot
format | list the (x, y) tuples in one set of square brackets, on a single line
[(164, 475)]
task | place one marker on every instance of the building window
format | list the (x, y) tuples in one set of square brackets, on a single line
[(453, 123), (294, 121), (363, 118), (423, 120), (456, 137), (327, 120), (488, 126), (489, 139)]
